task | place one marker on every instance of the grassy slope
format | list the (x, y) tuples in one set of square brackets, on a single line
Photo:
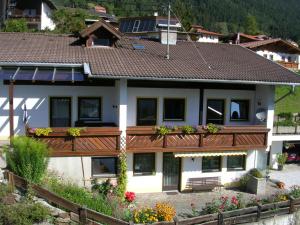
[(291, 103)]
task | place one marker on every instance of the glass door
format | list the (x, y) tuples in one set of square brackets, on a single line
[(171, 172), (215, 111), (146, 111), (60, 112)]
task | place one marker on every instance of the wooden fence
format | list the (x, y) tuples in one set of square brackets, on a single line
[(88, 216)]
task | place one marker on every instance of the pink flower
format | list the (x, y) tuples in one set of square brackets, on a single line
[(234, 200)]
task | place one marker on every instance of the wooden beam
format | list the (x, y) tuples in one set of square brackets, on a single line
[(11, 110)]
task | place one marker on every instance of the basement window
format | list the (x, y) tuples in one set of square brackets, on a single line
[(144, 164), (104, 167), (211, 164), (236, 163)]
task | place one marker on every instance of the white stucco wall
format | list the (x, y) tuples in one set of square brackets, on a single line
[(37, 102), (208, 39), (276, 148), (46, 21), (192, 97), (278, 56)]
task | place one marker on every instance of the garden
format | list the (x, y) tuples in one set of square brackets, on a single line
[(28, 160)]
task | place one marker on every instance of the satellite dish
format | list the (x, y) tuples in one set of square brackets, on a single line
[(261, 114)]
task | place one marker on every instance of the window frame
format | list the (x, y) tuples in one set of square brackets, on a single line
[(184, 110), (100, 108), (153, 173), (106, 174), (248, 111), (50, 108), (156, 110), (212, 170), (224, 109), (237, 169)]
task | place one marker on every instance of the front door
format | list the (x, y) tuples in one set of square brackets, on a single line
[(171, 172), (60, 112)]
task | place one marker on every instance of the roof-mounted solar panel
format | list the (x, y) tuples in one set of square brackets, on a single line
[(138, 47)]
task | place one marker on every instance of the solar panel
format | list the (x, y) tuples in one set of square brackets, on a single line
[(138, 46)]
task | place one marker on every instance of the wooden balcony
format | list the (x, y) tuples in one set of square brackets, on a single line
[(100, 141), (143, 139), (289, 65)]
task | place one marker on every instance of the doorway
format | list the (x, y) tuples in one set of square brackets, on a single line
[(171, 172)]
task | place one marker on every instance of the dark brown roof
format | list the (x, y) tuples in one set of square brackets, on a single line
[(188, 61), (200, 29), (282, 44)]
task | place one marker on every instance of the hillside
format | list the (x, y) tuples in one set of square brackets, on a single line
[(279, 18)]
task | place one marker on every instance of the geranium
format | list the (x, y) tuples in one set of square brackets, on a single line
[(129, 196)]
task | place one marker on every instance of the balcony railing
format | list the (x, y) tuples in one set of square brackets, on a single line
[(92, 141), (143, 139), (289, 124), (289, 65)]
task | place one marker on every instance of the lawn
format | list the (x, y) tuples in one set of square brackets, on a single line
[(290, 103)]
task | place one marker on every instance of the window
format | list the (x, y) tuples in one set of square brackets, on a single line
[(174, 109), (89, 108), (101, 42), (237, 162), (239, 110), (60, 112), (104, 166), (144, 163), (146, 111), (215, 111), (289, 59), (211, 164), (283, 58), (271, 57), (265, 55), (136, 26)]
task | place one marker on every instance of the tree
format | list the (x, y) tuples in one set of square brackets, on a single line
[(221, 27), (184, 12), (16, 25), (251, 26)]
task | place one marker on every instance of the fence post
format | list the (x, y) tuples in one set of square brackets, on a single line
[(82, 216), (292, 205), (176, 220), (11, 180), (220, 218), (258, 212)]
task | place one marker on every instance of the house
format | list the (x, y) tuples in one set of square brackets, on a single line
[(281, 51), (36, 12), (120, 89), (101, 12), (199, 34)]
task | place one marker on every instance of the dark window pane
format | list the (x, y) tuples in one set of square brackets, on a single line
[(215, 111), (60, 112), (144, 164), (211, 164), (174, 109), (239, 110), (89, 108), (7, 73), (104, 166), (146, 111), (101, 42), (63, 75), (236, 162), (25, 74), (44, 75), (78, 76)]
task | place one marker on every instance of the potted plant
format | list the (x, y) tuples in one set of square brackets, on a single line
[(281, 160), (256, 183)]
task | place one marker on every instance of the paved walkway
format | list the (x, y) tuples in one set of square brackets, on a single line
[(290, 175)]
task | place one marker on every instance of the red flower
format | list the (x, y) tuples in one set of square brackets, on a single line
[(129, 196), (234, 200)]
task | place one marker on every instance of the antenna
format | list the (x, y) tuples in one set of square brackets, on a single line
[(168, 32)]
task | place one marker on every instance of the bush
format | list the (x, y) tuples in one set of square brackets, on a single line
[(224, 204), (256, 173), (286, 115), (16, 25), (295, 191), (28, 159), (281, 158), (104, 188), (23, 213)]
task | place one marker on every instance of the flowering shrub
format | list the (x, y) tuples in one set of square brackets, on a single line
[(295, 191), (224, 204), (129, 196), (105, 188), (278, 197), (161, 212)]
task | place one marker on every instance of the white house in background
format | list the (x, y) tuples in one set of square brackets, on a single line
[(283, 52), (120, 89), (36, 12), (199, 34)]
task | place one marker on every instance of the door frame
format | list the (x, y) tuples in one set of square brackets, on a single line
[(50, 107), (179, 173)]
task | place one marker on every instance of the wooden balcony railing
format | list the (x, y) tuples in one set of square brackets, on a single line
[(143, 139), (102, 141), (289, 65)]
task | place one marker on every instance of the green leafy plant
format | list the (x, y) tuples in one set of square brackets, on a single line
[(295, 191), (74, 131), (212, 128), (281, 158), (256, 173), (28, 158), (122, 178), (163, 130), (104, 188), (286, 115), (43, 131), (188, 129), (224, 204)]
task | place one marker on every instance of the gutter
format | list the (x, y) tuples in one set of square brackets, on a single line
[(62, 65)]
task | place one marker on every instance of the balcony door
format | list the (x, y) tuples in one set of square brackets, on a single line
[(171, 172), (60, 111), (215, 111), (146, 111)]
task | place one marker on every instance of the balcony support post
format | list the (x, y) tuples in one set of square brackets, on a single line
[(122, 110)]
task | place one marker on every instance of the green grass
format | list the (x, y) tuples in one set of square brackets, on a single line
[(290, 103)]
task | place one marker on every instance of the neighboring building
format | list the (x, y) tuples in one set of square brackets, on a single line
[(283, 52), (101, 12), (120, 89), (199, 34), (36, 12)]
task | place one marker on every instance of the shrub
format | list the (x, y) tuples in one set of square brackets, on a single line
[(224, 204), (281, 158), (256, 173), (163, 130), (23, 213), (42, 131), (188, 129), (145, 215), (165, 212), (28, 159), (212, 128), (295, 191), (104, 188), (286, 115)]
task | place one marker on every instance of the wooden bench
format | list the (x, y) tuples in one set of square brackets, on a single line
[(204, 183)]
